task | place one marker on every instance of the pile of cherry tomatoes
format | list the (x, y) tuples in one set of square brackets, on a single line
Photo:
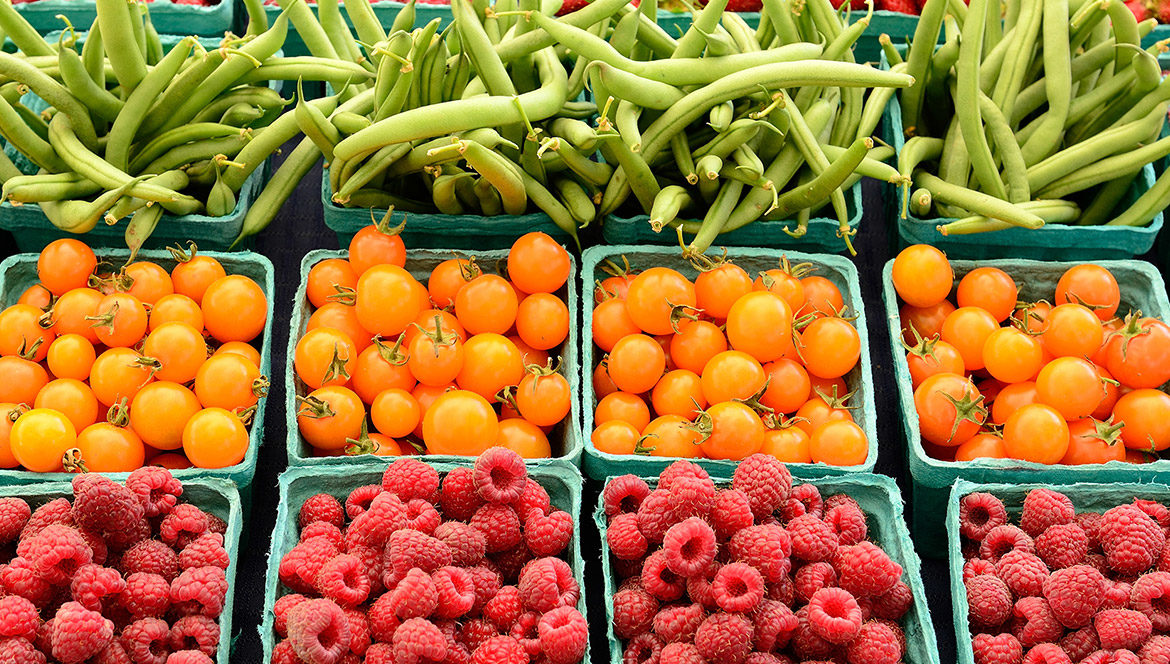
[(108, 367), (725, 365), (1071, 381), (454, 364)]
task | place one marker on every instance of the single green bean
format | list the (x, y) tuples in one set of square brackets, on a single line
[(22, 33), (918, 61), (1108, 169), (176, 137), (976, 202), (667, 204), (716, 217), (139, 103), (115, 18), (28, 142), (967, 99), (47, 187), (1058, 84), (53, 93), (692, 42), (1015, 171), (366, 173), (1051, 211), (298, 164), (576, 200), (74, 75), (635, 89)]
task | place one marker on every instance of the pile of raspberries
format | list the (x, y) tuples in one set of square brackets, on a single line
[(763, 572), (122, 575), (421, 571), (1064, 587)]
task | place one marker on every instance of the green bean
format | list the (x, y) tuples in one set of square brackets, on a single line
[(579, 134), (920, 204), (264, 98), (692, 42), (47, 187), (1051, 211), (815, 191), (708, 167), (365, 23), (1007, 88), (1153, 201), (1058, 84), (626, 123), (161, 144), (1125, 31), (257, 18), (641, 91), (298, 164), (779, 12), (893, 56), (115, 18), (642, 181), (93, 55), (681, 151), (748, 162), (307, 67), (36, 121), (503, 176), (154, 48), (308, 27), (875, 106), (141, 227), (481, 50), (967, 100), (722, 116), (188, 153), (871, 166), (441, 150), (396, 99), (1015, 172), (976, 202), (1105, 201), (81, 216), (73, 73), (806, 141), (918, 61), (53, 93), (443, 193), (139, 102), (1147, 76), (742, 35), (28, 142), (716, 217), (174, 179), (26, 37), (365, 174), (593, 172), (576, 200), (1111, 168), (667, 204)]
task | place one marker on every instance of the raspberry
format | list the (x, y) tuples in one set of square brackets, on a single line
[(1131, 540), (1074, 593), (700, 587), (812, 577), (1023, 572), (548, 583), (14, 515), (146, 595), (1046, 653), (280, 609), (410, 478), (847, 522), (1001, 539), (358, 500), (774, 626), (415, 596), (730, 513), (633, 612), (865, 570), (150, 556), (976, 566), (1111, 657), (147, 641), (418, 641), (1156, 511), (458, 498), (804, 499), (56, 552), (503, 609), (200, 590), (998, 649), (979, 513), (1033, 622), (659, 581), (1117, 595), (20, 651), (680, 653), (563, 635), (319, 631), (158, 491), (321, 507), (679, 469), (102, 505), (19, 578), (689, 546), (547, 535), (373, 527), (692, 496), (500, 650), (509, 563), (1122, 628), (422, 516), (189, 657), (343, 580), (383, 622), (533, 496), (18, 618), (410, 548), (724, 637), (92, 583), (876, 643), (1063, 545), (656, 515), (678, 622), (643, 649), (379, 653), (1079, 643), (1090, 522), (474, 632), (58, 511), (989, 602), (500, 527), (765, 480), (206, 550), (1044, 508), (895, 603), (216, 524), (500, 475), (834, 615), (1150, 596), (466, 544), (195, 633), (624, 494), (767, 548), (44, 640), (738, 588), (487, 584), (625, 541), (812, 539), (1156, 650), (527, 632), (456, 592), (184, 523), (79, 633)]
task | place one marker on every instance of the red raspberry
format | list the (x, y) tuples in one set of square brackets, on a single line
[(55, 552), (379, 653), (189, 657), (633, 612), (92, 583), (504, 608), (806, 644), (847, 521), (1117, 594), (564, 635), (548, 583), (1156, 511), (321, 507), (474, 632), (282, 653), (1132, 541), (625, 541), (216, 524), (699, 587), (373, 527), (895, 603), (20, 578), (415, 596), (738, 588), (527, 632), (547, 535), (200, 590), (18, 618), (102, 505), (509, 563), (146, 595), (409, 478), (1023, 572), (976, 566), (678, 469), (184, 523), (724, 637), (383, 621), (692, 496), (44, 640), (299, 567), (280, 609), (1046, 653), (1033, 622), (765, 480), (1149, 595), (319, 631), (876, 643), (158, 491), (689, 547), (500, 475), (678, 623), (865, 570), (79, 633), (147, 641), (804, 499), (323, 529), (466, 544), (1078, 644), (813, 540), (1122, 628), (1001, 539), (812, 577), (1111, 657), (1063, 545), (422, 516), (458, 498), (979, 513), (343, 580), (58, 511), (731, 513), (998, 649), (643, 649), (767, 548), (1044, 508), (533, 496), (1156, 650), (1097, 561), (20, 651), (989, 602), (624, 494), (656, 514), (411, 548), (150, 556), (680, 653), (1074, 593), (834, 615), (206, 550), (500, 527), (456, 592), (195, 633), (358, 500), (775, 624), (14, 515), (418, 641), (659, 581), (487, 584), (500, 650), (1090, 522)]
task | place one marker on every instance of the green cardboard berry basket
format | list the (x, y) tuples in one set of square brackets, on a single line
[(1142, 288), (19, 272), (822, 235), (169, 18), (213, 495), (843, 274), (881, 501), (385, 10), (1052, 242), (1084, 496), (565, 439), (561, 480)]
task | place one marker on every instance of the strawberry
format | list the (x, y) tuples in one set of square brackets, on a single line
[(744, 5), (900, 6), (571, 6)]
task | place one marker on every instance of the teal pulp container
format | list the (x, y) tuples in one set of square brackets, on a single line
[(1052, 242), (19, 272), (879, 498), (439, 231), (1084, 496), (1142, 289), (599, 465), (215, 496), (822, 235), (561, 480), (565, 439), (385, 10), (169, 18)]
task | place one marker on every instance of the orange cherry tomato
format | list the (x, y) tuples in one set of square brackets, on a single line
[(839, 443), (781, 282), (695, 344), (622, 406), (1073, 330), (193, 276), (1036, 433), (1090, 285), (929, 358), (989, 288), (230, 382), (543, 398), (331, 280), (386, 300), (731, 375), (614, 437), (1092, 441), (120, 320), (922, 275), (244, 350), (1071, 385), (718, 288), (380, 367), (159, 411), (821, 297), (1012, 398), (176, 308), (149, 282), (72, 311), (8, 414), (426, 395), (461, 423), (71, 356), (64, 265), (234, 309), (817, 411), (118, 373), (788, 386), (537, 264), (171, 460), (38, 296), (928, 321), (106, 448), (967, 329), (950, 409), (523, 438), (636, 363), (323, 357), (760, 324), (21, 333), (341, 317), (330, 416), (830, 347), (602, 383), (528, 354), (679, 392), (376, 245), (71, 397), (542, 321), (448, 277), (23, 379), (1012, 356), (180, 350), (425, 322), (436, 358), (736, 432), (490, 363), (788, 444), (395, 413), (1146, 414), (39, 439), (981, 446), (670, 436), (653, 296), (487, 303), (215, 438)]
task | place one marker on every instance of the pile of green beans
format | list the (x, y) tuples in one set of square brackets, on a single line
[(1037, 113), (133, 130)]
